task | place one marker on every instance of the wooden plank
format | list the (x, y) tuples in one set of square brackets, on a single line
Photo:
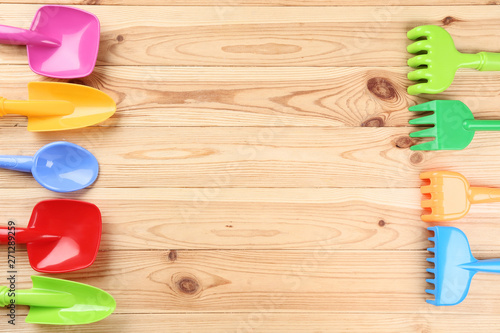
[(270, 97), (258, 157), (307, 157), (221, 3), (261, 219), (264, 321), (266, 36), (190, 96), (152, 282)]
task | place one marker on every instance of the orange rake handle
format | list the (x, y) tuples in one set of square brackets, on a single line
[(484, 195)]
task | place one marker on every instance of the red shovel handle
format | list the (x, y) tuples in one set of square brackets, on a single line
[(6, 233), (23, 235)]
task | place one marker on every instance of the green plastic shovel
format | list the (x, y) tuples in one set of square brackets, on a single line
[(453, 125), (60, 302), (438, 60)]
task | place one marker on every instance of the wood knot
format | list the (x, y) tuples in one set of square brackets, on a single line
[(373, 122), (492, 3), (382, 88), (381, 223), (448, 20), (403, 142), (172, 255), (416, 158), (119, 38), (188, 285)]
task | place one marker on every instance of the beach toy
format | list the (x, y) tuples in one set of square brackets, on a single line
[(59, 166), (62, 42)]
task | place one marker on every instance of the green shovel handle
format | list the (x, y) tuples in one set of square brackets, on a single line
[(36, 297), (482, 125)]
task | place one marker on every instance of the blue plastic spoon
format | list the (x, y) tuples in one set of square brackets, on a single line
[(59, 166)]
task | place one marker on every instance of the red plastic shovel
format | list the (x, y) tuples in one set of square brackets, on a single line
[(62, 235)]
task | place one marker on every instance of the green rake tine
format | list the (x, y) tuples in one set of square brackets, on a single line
[(421, 45), (418, 88), (431, 145), (420, 60), (428, 132), (420, 74), (427, 120), (417, 32), (427, 106)]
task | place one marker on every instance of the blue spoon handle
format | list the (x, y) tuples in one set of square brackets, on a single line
[(488, 266), (18, 163)]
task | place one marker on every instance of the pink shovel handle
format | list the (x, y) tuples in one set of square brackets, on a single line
[(18, 36), (23, 235)]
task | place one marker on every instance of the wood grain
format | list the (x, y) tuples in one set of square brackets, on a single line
[(266, 36), (267, 97), (281, 322), (261, 219), (257, 175)]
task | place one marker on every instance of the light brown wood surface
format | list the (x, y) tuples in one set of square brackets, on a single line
[(257, 175)]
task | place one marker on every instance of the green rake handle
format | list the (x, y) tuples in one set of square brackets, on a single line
[(489, 61), (482, 125), (482, 61)]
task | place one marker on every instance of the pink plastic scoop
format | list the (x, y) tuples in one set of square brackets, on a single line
[(62, 42)]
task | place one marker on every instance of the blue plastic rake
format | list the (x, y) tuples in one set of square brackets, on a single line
[(454, 266)]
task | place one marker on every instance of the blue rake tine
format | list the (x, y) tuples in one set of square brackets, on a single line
[(433, 229), (432, 270)]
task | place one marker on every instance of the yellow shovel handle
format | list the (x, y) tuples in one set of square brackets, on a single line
[(36, 108)]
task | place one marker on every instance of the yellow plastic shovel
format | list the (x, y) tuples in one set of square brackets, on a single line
[(54, 106)]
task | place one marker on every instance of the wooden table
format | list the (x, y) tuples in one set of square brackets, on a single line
[(257, 176)]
